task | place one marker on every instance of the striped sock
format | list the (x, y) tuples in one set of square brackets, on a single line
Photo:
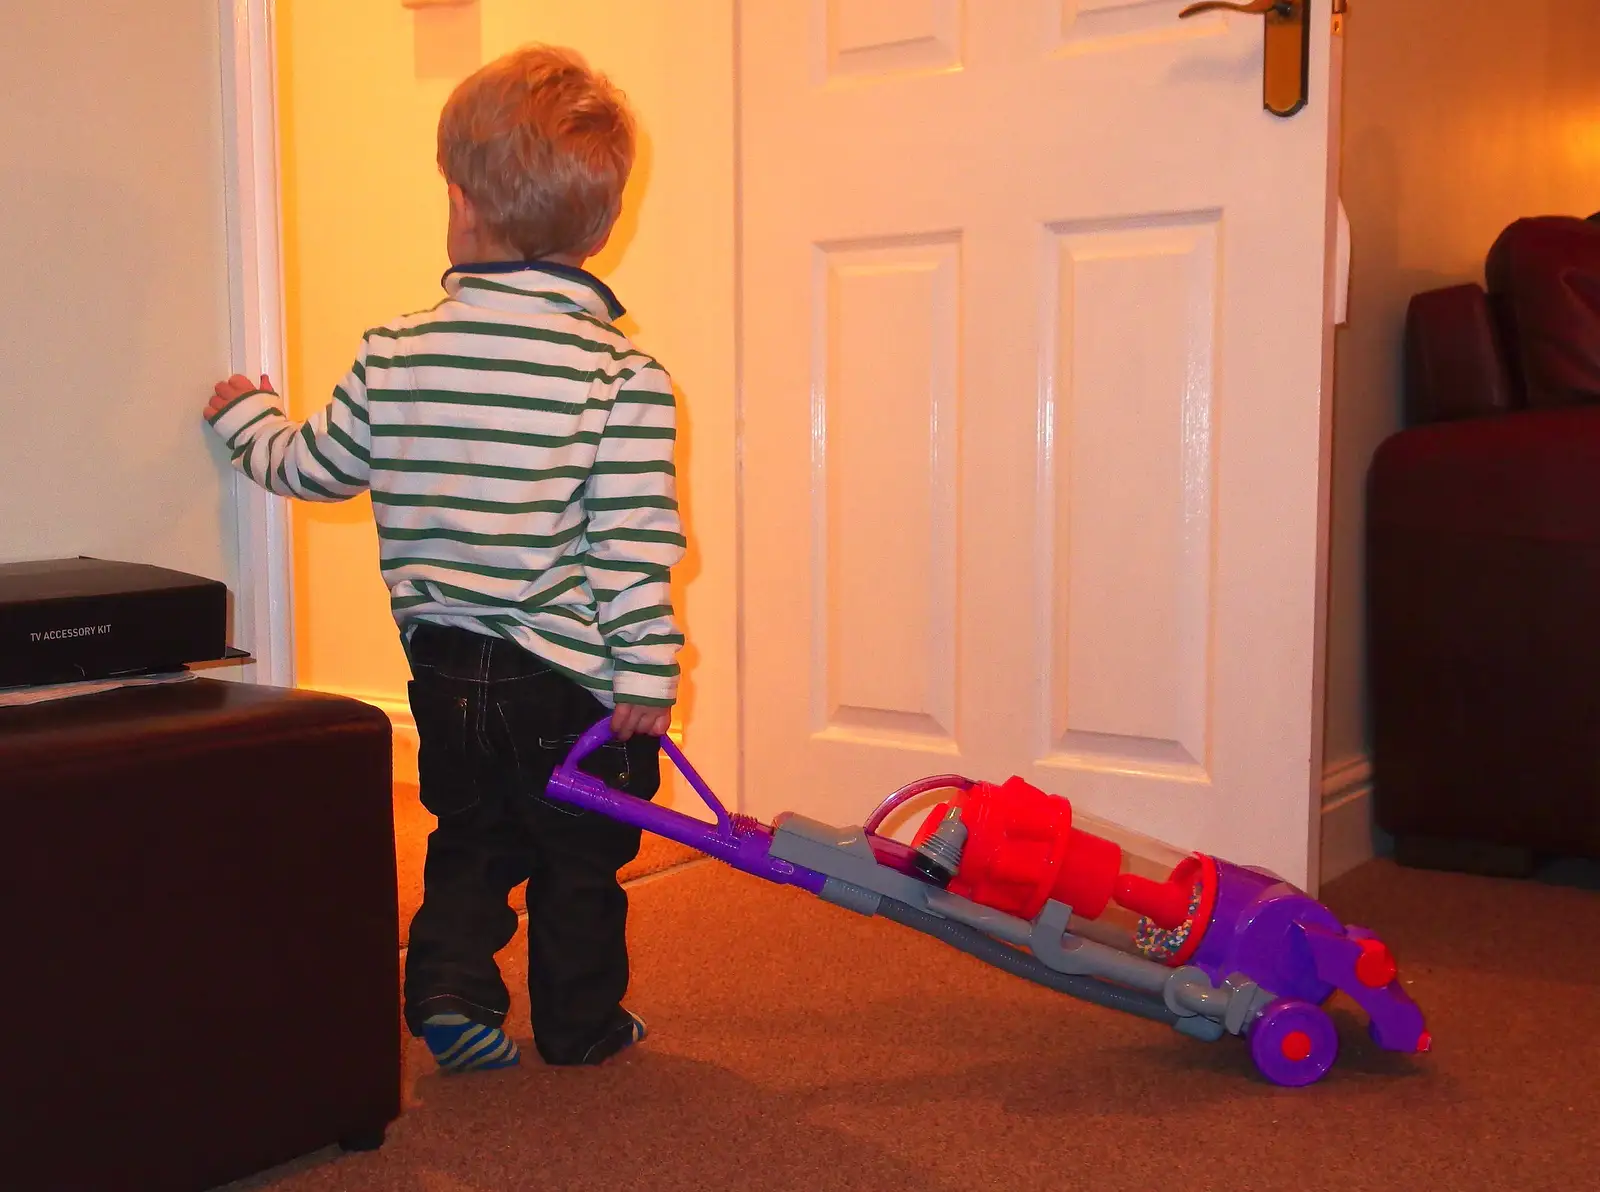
[(630, 1029), (461, 1045)]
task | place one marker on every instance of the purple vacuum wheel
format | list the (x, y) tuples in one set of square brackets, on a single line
[(1293, 1043)]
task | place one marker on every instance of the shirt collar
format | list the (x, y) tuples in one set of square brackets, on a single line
[(542, 283)]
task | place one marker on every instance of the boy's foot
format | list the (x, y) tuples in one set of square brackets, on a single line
[(461, 1045), (628, 1029)]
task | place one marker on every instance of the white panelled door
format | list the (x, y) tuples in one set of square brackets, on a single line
[(1034, 309)]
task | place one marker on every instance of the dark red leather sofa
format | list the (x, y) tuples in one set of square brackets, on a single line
[(1483, 565)]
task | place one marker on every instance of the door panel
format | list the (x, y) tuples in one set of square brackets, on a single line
[(1126, 544), (869, 38), (884, 633)]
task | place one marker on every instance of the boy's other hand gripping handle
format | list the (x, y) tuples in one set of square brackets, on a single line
[(600, 733)]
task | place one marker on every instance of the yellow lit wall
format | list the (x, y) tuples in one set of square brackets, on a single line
[(362, 83), (1460, 116)]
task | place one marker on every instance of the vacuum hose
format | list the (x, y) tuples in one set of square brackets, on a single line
[(1020, 964)]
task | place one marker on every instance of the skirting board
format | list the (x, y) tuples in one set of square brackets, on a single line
[(405, 733), (1347, 834)]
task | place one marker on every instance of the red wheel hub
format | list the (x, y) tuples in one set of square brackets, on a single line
[(1376, 967), (1297, 1046)]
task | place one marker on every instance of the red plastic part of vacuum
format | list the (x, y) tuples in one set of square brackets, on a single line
[(1022, 851)]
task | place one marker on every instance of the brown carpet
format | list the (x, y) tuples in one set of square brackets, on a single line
[(797, 1046), (412, 823)]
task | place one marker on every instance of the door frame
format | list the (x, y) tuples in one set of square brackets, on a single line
[(263, 603)]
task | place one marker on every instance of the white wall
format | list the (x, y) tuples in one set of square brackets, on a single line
[(113, 283), (1459, 117)]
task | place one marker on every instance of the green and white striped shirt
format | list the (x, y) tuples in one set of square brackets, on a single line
[(519, 452)]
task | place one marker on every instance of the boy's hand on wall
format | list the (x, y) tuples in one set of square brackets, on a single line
[(629, 719), (235, 387)]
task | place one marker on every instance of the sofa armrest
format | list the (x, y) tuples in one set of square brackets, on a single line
[(1529, 474), (1455, 366)]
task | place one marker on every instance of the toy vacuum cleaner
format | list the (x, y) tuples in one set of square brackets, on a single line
[(1000, 872)]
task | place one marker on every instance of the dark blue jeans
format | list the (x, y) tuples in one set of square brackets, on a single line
[(494, 722)]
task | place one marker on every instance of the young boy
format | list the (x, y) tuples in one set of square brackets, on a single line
[(519, 452)]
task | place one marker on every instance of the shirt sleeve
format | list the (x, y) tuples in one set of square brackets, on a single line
[(635, 538), (328, 457)]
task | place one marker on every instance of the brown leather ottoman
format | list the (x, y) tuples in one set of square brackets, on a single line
[(198, 935)]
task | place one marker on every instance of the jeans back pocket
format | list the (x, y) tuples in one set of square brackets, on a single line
[(532, 716), (447, 757)]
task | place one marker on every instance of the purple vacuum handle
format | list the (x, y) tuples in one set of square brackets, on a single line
[(746, 845), (601, 733)]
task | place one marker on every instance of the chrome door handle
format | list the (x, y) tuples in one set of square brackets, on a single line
[(1286, 54)]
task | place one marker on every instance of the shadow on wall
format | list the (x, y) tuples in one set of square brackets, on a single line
[(604, 266), (1369, 372), (1369, 350), (103, 450)]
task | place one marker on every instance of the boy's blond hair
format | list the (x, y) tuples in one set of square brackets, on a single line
[(542, 145)]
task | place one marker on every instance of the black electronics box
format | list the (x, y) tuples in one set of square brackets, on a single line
[(65, 620)]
